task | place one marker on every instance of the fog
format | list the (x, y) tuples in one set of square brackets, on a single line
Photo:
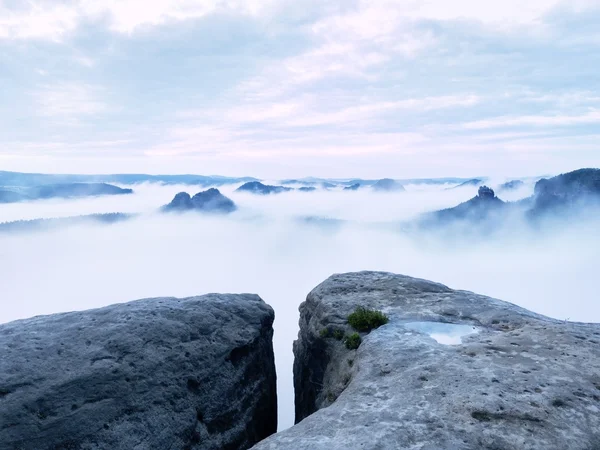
[(266, 248)]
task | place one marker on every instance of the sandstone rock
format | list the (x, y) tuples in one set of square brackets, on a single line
[(256, 187), (211, 201), (164, 373), (388, 185), (485, 209), (486, 192), (515, 380), (577, 189)]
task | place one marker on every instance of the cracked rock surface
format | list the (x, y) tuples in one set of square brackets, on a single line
[(519, 380), (163, 373)]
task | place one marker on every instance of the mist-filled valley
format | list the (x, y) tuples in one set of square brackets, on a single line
[(281, 246)]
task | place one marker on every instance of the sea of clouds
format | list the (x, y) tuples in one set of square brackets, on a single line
[(266, 247)]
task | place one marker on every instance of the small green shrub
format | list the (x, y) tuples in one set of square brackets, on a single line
[(353, 341), (363, 319), (338, 334), (324, 333)]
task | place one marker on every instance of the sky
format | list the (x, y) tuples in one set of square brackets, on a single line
[(283, 88)]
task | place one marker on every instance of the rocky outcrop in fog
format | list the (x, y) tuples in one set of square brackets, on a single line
[(352, 187), (511, 185), (211, 201), (193, 373), (580, 188), (388, 185), (450, 370), (473, 182), (256, 187), (567, 194), (484, 209)]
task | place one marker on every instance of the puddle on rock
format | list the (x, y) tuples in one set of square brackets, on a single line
[(443, 333)]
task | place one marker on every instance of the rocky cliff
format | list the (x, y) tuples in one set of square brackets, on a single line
[(485, 209), (560, 194), (450, 370), (164, 373)]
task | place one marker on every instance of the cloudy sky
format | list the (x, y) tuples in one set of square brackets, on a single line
[(280, 88)]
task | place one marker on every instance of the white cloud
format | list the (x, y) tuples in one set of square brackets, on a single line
[(69, 100), (53, 20), (369, 111), (46, 20), (590, 117), (372, 19)]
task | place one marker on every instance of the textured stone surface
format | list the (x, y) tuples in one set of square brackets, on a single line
[(522, 381), (165, 373)]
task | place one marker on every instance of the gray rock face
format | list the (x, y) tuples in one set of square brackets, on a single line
[(518, 381), (165, 373)]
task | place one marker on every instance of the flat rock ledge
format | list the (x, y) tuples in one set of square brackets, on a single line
[(163, 373), (518, 380)]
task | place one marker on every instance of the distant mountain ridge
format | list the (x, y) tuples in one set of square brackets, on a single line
[(256, 187), (20, 179), (558, 196), (49, 223), (63, 190)]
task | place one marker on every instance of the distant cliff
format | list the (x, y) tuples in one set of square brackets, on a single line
[(560, 196), (388, 185), (211, 201), (481, 207), (580, 188), (256, 187)]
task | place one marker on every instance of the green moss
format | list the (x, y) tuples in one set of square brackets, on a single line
[(324, 333), (364, 319), (353, 341), (338, 334)]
